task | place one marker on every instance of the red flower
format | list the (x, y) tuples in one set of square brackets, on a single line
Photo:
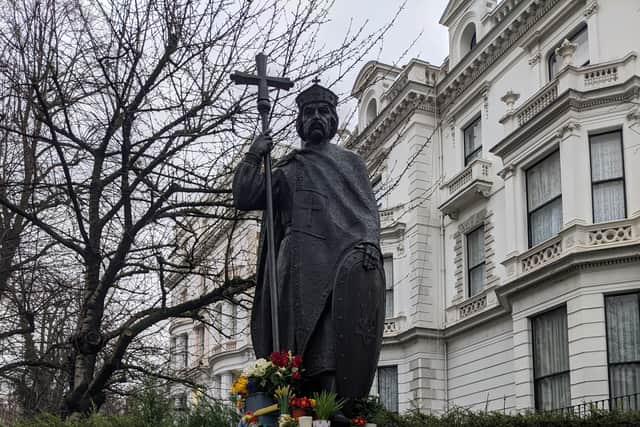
[(359, 421), (296, 361), (295, 375)]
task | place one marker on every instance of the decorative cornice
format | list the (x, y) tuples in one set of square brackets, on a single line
[(469, 70), (570, 100), (416, 97), (590, 9)]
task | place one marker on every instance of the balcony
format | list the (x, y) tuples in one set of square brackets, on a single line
[(393, 326), (579, 79), (561, 250), (470, 185)]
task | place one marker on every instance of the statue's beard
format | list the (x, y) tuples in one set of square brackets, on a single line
[(316, 132)]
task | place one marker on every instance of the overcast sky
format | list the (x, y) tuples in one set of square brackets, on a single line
[(418, 16)]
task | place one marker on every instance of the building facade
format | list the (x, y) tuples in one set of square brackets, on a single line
[(510, 209)]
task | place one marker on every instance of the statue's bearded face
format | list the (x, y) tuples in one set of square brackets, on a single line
[(317, 122)]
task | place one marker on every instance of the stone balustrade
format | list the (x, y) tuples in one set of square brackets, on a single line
[(574, 239)]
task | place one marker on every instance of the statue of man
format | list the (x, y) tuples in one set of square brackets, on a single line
[(329, 265)]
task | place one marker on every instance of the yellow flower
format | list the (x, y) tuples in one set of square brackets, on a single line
[(239, 386)]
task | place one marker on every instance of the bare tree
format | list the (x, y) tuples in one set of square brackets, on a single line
[(131, 130)]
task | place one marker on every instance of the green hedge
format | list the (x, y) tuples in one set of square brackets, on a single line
[(465, 418)]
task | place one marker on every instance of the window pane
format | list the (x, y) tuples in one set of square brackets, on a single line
[(476, 280), (388, 271), (608, 201), (543, 181), (625, 380), (553, 392), (472, 140), (388, 303), (623, 328), (550, 343), (606, 156), (581, 56), (388, 387), (546, 222), (475, 247)]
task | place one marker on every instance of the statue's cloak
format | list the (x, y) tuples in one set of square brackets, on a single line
[(333, 210)]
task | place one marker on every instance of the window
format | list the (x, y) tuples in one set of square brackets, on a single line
[(580, 57), (607, 177), (179, 351), (388, 387), (180, 402), (372, 112), (217, 321), (388, 295), (551, 360), (544, 199), (475, 261), (199, 332), (472, 142), (468, 39), (233, 322), (623, 344)]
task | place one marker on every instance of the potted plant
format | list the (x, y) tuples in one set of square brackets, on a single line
[(283, 395), (327, 404), (301, 406), (257, 385)]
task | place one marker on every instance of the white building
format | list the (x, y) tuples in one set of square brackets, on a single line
[(510, 208)]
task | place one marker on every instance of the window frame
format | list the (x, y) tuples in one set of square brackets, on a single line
[(606, 329), (572, 35), (623, 178), (535, 379), (389, 287), (397, 397), (468, 157), (480, 264), (526, 193)]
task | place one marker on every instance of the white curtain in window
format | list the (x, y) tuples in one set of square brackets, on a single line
[(544, 182), (608, 201), (545, 222), (623, 343), (388, 387), (543, 185), (475, 251), (606, 156), (607, 165), (551, 359), (388, 276)]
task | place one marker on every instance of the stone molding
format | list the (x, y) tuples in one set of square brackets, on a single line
[(466, 72)]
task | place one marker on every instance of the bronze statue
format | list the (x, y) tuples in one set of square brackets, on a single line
[(330, 283)]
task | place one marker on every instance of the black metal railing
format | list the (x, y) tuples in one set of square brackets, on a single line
[(629, 402)]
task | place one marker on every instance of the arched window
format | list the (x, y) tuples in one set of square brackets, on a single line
[(468, 39), (372, 112)]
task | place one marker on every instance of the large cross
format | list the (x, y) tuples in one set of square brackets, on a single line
[(264, 107), (263, 82)]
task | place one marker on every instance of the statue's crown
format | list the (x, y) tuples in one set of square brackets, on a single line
[(316, 93)]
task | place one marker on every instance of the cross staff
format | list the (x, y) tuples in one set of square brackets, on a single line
[(264, 107)]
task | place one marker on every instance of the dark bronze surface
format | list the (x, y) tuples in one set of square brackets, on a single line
[(326, 231)]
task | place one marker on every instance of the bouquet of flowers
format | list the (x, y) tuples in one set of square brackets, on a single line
[(301, 406), (282, 369)]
